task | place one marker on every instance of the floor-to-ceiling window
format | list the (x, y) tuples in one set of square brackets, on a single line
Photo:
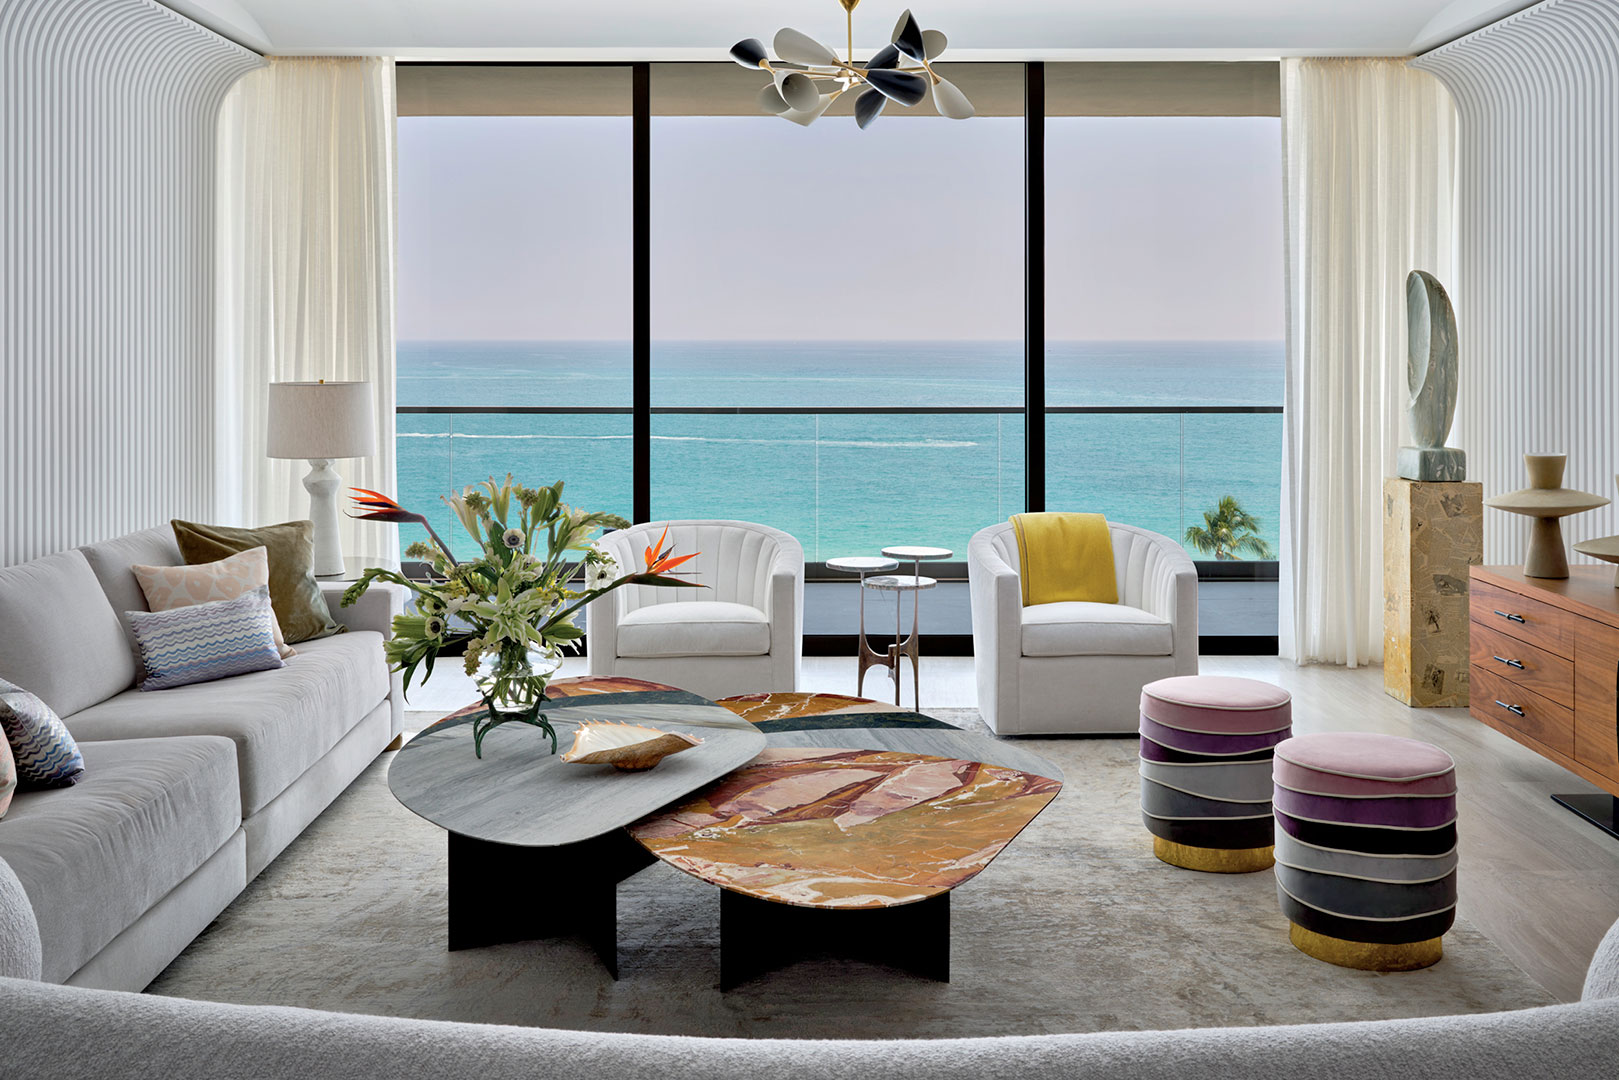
[(514, 284), (834, 318), (1164, 301), (837, 316)]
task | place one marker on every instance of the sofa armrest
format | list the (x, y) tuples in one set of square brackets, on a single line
[(374, 610), (1169, 591), (1602, 977), (601, 614), (21, 954), (997, 619), (784, 601)]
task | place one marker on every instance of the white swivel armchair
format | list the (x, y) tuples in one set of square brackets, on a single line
[(1079, 667), (743, 634)]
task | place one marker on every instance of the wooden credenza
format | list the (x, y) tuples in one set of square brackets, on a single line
[(1545, 664)]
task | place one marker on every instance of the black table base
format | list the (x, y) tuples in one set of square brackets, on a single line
[(497, 891), (1600, 810), (757, 936)]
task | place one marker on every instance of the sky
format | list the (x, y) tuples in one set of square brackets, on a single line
[(1158, 228)]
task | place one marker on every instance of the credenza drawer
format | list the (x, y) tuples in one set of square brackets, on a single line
[(1505, 702), (1518, 616), (1529, 666)]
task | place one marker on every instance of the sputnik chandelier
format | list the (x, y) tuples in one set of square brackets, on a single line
[(807, 77)]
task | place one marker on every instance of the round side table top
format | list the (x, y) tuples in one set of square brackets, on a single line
[(900, 582), (917, 553), (861, 564)]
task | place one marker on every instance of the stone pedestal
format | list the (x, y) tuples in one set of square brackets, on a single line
[(1432, 532)]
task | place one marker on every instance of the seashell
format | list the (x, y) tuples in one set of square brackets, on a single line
[(625, 746)]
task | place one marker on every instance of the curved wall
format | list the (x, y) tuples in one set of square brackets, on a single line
[(1537, 294), (107, 122)]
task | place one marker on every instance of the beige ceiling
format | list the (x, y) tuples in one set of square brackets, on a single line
[(980, 29)]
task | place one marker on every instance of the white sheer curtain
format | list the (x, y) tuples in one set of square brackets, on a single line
[(306, 266), (1369, 149)]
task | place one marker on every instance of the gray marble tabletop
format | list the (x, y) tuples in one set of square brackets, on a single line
[(519, 793)]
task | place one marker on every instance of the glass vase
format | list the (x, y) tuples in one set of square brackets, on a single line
[(512, 684)]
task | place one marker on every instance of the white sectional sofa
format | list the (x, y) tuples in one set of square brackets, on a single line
[(93, 1035), (187, 793)]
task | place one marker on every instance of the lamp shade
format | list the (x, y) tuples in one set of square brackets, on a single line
[(321, 420)]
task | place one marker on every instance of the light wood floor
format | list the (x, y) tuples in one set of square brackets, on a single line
[(1539, 881)]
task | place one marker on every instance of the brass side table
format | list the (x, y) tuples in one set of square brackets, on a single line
[(863, 564), (913, 583)]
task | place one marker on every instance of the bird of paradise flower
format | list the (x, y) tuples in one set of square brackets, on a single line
[(511, 599)]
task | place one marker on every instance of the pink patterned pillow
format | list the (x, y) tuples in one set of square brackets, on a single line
[(170, 587), (8, 775)]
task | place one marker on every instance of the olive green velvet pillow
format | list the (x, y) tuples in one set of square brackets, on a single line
[(295, 595)]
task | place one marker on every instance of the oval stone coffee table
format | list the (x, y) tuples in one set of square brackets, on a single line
[(848, 834), (521, 822)]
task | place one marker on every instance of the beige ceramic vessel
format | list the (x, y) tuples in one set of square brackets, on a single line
[(1546, 501)]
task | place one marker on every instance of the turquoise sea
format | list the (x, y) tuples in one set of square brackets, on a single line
[(851, 483)]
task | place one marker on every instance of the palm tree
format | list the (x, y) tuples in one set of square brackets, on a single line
[(1229, 532)]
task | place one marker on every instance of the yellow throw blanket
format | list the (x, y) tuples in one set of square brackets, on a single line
[(1065, 557)]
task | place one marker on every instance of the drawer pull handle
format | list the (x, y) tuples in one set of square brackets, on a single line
[(1510, 617), (1510, 663), (1510, 708)]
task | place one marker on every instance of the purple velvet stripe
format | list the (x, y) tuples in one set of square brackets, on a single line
[(1369, 839), (1198, 743), (1151, 751), (1399, 811)]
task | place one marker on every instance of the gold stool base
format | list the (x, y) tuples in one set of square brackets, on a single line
[(1366, 956), (1214, 860)]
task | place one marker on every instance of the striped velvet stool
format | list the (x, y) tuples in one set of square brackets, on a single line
[(1366, 848), (1206, 743)]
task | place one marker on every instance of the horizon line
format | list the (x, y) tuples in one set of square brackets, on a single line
[(838, 341)]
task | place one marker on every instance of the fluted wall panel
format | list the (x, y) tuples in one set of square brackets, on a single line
[(1537, 295), (107, 132)]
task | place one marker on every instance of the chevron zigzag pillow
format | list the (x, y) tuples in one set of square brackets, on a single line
[(204, 642), (46, 755)]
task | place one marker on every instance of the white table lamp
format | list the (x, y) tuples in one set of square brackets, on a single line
[(320, 422)]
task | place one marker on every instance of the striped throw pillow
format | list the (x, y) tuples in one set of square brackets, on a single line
[(203, 642), (46, 755)]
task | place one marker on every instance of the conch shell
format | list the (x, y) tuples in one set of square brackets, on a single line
[(625, 746)]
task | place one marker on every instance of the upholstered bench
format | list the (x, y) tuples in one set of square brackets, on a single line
[(1366, 848), (1206, 743)]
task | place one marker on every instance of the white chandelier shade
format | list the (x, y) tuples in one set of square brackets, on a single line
[(807, 77)]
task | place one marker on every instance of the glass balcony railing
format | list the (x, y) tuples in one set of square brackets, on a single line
[(853, 480)]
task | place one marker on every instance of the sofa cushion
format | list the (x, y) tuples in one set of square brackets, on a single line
[(300, 605), (111, 560), (1076, 628), (694, 628), (282, 721), (204, 642), (45, 754), (59, 637), (169, 587), (93, 858)]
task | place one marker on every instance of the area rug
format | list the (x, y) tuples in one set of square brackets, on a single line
[(1075, 927)]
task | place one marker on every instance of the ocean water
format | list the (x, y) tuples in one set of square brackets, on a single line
[(848, 484)]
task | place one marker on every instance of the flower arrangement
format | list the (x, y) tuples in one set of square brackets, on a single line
[(512, 608)]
